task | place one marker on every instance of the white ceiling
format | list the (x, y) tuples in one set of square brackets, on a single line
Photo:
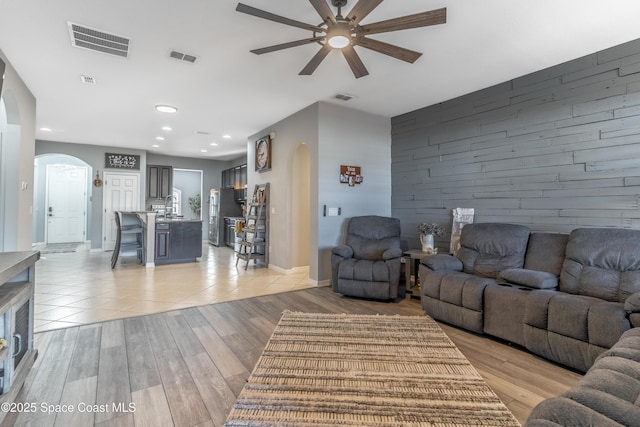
[(232, 91)]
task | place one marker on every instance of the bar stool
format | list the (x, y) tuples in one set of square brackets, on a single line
[(129, 237)]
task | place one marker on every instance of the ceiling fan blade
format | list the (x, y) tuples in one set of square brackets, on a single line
[(389, 49), (361, 10), (276, 18), (315, 61), (433, 17), (323, 10), (354, 61), (286, 45)]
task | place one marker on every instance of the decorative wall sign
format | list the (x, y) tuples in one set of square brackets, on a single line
[(121, 161), (350, 175)]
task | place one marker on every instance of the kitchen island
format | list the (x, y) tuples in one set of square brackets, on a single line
[(177, 240)]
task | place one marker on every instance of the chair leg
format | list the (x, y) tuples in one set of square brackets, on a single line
[(116, 251)]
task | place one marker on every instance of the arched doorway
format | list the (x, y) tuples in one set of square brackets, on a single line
[(10, 131), (301, 206), (62, 190)]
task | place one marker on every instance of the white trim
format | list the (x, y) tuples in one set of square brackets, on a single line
[(294, 270)]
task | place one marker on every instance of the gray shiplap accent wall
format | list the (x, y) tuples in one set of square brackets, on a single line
[(554, 150)]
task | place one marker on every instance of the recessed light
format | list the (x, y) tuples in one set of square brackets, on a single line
[(167, 128), (155, 146), (160, 138), (203, 151), (214, 144), (46, 129), (226, 136), (166, 108)]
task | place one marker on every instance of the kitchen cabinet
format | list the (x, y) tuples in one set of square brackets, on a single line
[(235, 177), (178, 241), (159, 181)]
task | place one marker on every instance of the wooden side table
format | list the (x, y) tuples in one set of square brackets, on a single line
[(412, 258)]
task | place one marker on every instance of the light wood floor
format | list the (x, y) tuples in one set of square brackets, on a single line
[(78, 288), (186, 367)]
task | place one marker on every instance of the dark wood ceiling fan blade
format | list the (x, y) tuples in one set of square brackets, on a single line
[(397, 52), (354, 61), (323, 10), (315, 61), (276, 18), (286, 45), (361, 10), (424, 19)]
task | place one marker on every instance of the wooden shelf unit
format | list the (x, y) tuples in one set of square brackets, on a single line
[(255, 241)]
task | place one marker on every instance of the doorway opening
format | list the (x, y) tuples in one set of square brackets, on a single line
[(61, 195), (301, 207)]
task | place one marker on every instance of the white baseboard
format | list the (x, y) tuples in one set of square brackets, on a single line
[(294, 270)]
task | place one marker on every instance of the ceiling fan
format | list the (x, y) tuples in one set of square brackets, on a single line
[(343, 33)]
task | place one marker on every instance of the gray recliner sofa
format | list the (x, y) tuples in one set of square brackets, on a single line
[(567, 298), (607, 396), (368, 264)]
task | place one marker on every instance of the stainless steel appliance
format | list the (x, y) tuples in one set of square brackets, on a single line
[(221, 204)]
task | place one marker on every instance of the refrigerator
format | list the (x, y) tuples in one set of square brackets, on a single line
[(222, 204)]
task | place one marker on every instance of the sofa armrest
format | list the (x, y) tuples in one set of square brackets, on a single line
[(343, 251), (392, 253), (632, 307), (529, 278), (442, 262)]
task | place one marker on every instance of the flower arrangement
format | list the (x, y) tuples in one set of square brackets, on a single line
[(431, 228), (194, 203)]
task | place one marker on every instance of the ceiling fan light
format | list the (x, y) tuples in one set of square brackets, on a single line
[(339, 41)]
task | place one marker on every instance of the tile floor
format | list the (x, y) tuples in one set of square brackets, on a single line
[(80, 287)]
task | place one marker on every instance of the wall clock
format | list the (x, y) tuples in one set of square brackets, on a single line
[(263, 154)]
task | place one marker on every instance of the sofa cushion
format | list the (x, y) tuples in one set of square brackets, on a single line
[(364, 270), (546, 252), (602, 263), (488, 248), (371, 235), (530, 278)]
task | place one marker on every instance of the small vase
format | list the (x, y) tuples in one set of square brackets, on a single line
[(427, 242)]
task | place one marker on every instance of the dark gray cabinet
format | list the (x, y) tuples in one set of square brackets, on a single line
[(159, 181), (178, 241)]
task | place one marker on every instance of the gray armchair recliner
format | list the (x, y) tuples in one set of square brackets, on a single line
[(368, 265)]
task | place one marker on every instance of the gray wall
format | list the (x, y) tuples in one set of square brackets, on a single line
[(93, 155), (554, 150)]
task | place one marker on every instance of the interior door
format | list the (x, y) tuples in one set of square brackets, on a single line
[(66, 203), (121, 193)]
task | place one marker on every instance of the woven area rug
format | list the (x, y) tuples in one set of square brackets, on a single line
[(364, 370)]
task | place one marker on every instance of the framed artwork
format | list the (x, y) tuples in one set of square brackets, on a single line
[(263, 154)]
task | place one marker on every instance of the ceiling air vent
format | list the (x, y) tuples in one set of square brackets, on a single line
[(343, 97), (183, 56), (88, 80), (98, 41)]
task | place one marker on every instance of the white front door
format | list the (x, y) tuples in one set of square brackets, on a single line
[(121, 193), (66, 203)]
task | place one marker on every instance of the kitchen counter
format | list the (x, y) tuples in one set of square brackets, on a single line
[(177, 240), (165, 220)]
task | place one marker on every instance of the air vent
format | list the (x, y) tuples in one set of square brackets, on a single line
[(98, 41), (343, 97), (88, 80), (183, 56)]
